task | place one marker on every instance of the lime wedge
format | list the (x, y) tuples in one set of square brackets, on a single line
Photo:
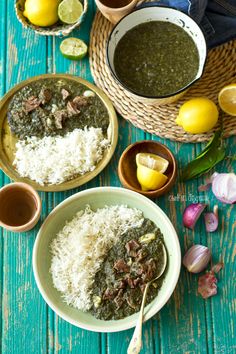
[(69, 11), (73, 48)]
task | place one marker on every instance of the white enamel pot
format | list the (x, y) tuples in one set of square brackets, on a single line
[(148, 13)]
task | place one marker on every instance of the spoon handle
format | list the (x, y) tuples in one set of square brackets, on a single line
[(135, 344)]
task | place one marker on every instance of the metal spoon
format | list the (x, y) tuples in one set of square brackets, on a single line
[(136, 341)]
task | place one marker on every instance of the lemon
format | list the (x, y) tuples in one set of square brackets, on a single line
[(153, 161), (227, 99), (198, 115), (150, 169), (41, 12), (150, 179)]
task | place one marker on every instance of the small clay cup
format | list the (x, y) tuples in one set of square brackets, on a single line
[(20, 207), (127, 167), (114, 14)]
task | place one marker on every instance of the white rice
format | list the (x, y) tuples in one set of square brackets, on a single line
[(53, 160), (80, 247)]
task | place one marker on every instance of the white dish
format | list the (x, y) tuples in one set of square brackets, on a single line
[(98, 198)]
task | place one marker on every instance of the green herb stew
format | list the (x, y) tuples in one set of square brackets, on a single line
[(131, 263), (50, 107), (156, 58)]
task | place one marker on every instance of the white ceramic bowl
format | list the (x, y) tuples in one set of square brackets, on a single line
[(156, 13), (98, 198)]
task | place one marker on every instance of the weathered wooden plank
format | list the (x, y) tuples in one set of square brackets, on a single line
[(24, 311), (3, 10)]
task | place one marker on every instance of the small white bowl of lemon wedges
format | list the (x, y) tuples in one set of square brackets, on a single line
[(51, 18)]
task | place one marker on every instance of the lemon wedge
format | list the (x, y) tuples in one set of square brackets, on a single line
[(227, 99), (155, 162), (150, 171), (150, 179)]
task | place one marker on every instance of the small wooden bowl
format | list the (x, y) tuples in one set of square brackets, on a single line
[(127, 167)]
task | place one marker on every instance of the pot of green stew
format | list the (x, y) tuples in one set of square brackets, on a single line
[(156, 53)]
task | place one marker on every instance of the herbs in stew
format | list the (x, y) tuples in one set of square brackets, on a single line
[(156, 58), (131, 263), (50, 107)]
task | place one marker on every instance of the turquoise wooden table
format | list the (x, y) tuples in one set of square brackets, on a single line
[(187, 324)]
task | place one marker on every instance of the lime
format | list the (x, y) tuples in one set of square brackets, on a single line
[(153, 161), (198, 115), (69, 11), (73, 48), (227, 99)]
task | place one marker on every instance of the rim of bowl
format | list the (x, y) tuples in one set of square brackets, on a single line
[(135, 92), (31, 223), (173, 175), (118, 327)]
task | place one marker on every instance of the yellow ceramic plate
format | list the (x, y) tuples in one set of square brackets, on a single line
[(8, 140)]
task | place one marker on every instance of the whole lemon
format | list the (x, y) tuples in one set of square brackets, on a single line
[(198, 115), (41, 12)]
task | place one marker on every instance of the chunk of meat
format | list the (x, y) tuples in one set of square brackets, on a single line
[(119, 300), (60, 116), (137, 281), (65, 94), (132, 282), (132, 246), (45, 95), (80, 101), (121, 266), (109, 294), (31, 103), (122, 284), (141, 269), (149, 270), (141, 255), (72, 109)]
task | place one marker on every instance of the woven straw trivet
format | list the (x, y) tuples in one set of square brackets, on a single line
[(220, 70)]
